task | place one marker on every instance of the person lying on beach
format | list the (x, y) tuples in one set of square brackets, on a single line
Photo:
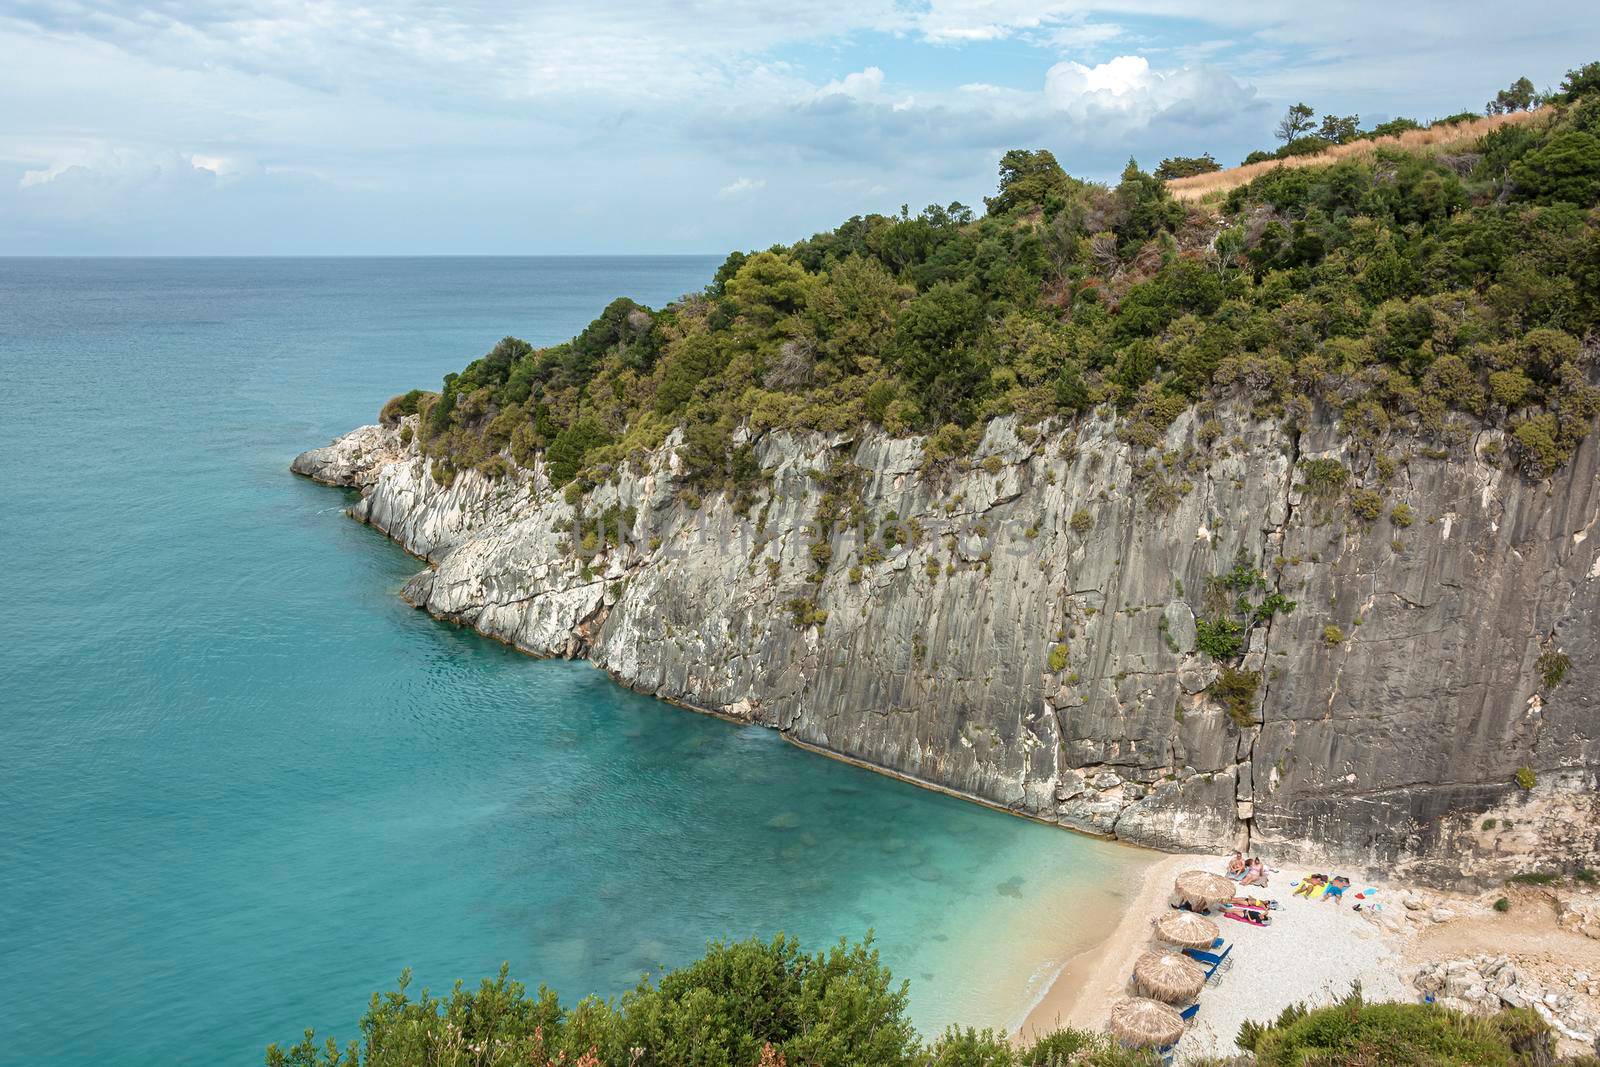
[(1336, 888), (1236, 866), (1310, 884), (1252, 903), (1253, 916), (1256, 874)]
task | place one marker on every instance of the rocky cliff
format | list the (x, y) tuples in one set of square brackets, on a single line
[(1025, 628)]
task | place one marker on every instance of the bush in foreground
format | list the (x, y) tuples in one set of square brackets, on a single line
[(768, 1004), (1354, 1032), (745, 1004)]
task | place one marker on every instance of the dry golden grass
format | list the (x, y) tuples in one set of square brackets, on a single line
[(1200, 186)]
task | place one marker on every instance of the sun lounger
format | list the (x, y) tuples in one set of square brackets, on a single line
[(1165, 1051), (1210, 960)]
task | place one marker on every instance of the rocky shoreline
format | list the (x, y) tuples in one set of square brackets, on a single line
[(1024, 628)]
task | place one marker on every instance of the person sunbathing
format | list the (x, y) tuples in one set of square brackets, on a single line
[(1310, 884), (1236, 866), (1252, 903), (1335, 890), (1253, 916), (1256, 874)]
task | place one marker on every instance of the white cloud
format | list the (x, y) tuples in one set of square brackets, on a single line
[(1131, 92), (740, 187), (861, 85)]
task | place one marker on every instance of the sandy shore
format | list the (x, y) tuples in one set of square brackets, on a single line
[(1091, 981), (1312, 952)]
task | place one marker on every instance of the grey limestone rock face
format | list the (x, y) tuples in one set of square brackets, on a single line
[(1073, 549)]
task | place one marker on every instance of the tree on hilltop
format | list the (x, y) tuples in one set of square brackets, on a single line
[(1340, 129), (1297, 121), (1519, 97), (1581, 81), (1186, 166), (1028, 178)]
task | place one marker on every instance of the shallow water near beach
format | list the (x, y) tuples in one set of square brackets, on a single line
[(244, 785)]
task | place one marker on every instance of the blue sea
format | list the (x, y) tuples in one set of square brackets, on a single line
[(242, 785)]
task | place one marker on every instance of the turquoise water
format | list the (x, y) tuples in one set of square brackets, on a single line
[(242, 785)]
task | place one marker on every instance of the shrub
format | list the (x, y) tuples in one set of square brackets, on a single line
[(1332, 635), (1401, 1035), (1236, 690), (1366, 503), (1082, 521), (1402, 515), (1526, 779), (1502, 905), (1534, 878), (567, 452), (1323, 479), (805, 612), (1220, 639), (1567, 168), (400, 406), (834, 1007), (1186, 166), (1058, 658), (1552, 666)]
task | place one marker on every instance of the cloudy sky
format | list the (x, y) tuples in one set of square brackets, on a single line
[(472, 126)]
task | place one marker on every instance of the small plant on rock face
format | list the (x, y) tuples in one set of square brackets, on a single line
[(1502, 905), (1534, 878), (1221, 639), (1366, 503), (1552, 667), (1526, 779), (1082, 521), (1058, 658), (1323, 479), (805, 612), (1402, 515), (1332, 635), (1236, 690)]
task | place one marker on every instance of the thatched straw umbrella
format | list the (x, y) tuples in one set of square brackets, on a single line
[(1168, 976), (1144, 1023), (1201, 889), (1187, 930)]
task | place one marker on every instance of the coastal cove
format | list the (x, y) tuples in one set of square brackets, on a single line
[(247, 784)]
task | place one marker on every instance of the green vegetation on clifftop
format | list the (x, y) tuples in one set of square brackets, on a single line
[(1430, 292)]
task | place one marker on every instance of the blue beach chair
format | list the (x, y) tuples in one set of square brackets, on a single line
[(1211, 960), (1166, 1051)]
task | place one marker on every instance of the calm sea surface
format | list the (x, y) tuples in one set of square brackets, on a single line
[(242, 785)]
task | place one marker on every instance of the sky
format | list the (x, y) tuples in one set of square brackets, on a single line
[(178, 127)]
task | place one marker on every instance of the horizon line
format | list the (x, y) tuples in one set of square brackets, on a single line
[(362, 255)]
